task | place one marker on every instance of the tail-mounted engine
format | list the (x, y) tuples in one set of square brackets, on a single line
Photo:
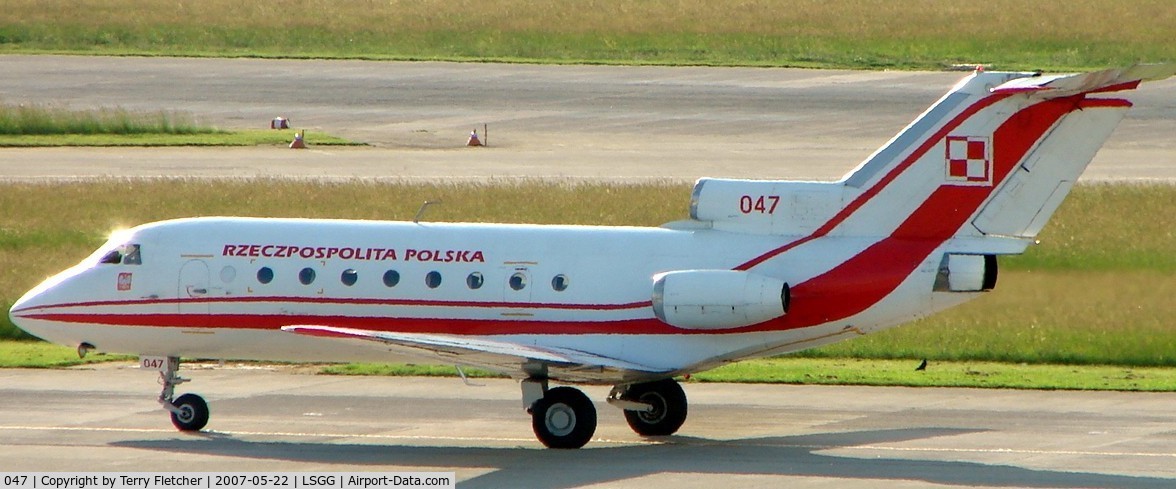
[(966, 273), (717, 299)]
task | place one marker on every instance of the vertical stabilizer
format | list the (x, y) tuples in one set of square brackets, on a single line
[(995, 156), (985, 166)]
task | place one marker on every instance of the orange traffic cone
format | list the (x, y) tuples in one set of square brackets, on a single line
[(473, 141), (298, 142)]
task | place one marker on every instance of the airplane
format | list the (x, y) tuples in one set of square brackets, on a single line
[(759, 268)]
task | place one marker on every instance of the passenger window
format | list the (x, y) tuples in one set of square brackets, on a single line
[(518, 281), (349, 277), (306, 276), (475, 280), (228, 274), (559, 283), (265, 275), (391, 278), (433, 279)]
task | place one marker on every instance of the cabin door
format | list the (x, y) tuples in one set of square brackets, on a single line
[(192, 292)]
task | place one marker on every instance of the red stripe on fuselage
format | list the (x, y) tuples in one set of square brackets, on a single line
[(372, 323), (345, 301)]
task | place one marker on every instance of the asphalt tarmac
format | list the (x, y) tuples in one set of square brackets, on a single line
[(736, 435), (554, 122)]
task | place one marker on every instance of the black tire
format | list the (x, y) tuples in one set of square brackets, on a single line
[(564, 418), (193, 413), (669, 407)]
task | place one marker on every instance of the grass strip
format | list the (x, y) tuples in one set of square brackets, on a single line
[(847, 371), (39, 354), (233, 138), (41, 120), (850, 371), (781, 370), (875, 34), (1041, 317), (407, 370), (41, 125)]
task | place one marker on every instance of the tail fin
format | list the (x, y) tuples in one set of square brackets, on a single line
[(995, 156)]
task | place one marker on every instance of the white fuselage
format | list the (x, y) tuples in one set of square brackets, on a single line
[(196, 291)]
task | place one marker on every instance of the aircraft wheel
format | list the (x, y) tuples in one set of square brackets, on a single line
[(192, 414), (669, 408), (564, 418)]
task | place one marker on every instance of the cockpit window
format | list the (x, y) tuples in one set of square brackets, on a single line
[(131, 256), (113, 256), (127, 254)]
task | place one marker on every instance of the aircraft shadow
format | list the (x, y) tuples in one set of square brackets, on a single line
[(788, 456)]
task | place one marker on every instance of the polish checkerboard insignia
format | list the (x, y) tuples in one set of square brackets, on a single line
[(124, 281), (969, 160)]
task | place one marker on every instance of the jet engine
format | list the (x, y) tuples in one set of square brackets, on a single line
[(717, 299), (966, 273)]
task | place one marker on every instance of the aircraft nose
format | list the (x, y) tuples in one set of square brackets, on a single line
[(29, 300), (29, 311), (24, 308)]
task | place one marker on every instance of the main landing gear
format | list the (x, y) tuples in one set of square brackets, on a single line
[(653, 408), (189, 412), (563, 417)]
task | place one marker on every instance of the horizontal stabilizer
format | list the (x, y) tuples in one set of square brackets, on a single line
[(1099, 81)]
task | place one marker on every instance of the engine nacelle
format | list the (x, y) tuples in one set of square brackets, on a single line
[(717, 299), (966, 273)]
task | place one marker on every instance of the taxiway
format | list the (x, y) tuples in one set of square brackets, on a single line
[(554, 122), (105, 418)]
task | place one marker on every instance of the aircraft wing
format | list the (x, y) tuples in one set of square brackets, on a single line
[(514, 359), (1097, 81)]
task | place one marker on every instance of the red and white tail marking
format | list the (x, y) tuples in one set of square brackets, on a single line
[(968, 160)]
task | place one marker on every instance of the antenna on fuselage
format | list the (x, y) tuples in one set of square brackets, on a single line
[(421, 211), (465, 379)]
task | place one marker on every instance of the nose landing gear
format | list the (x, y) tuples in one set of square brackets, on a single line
[(189, 412)]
